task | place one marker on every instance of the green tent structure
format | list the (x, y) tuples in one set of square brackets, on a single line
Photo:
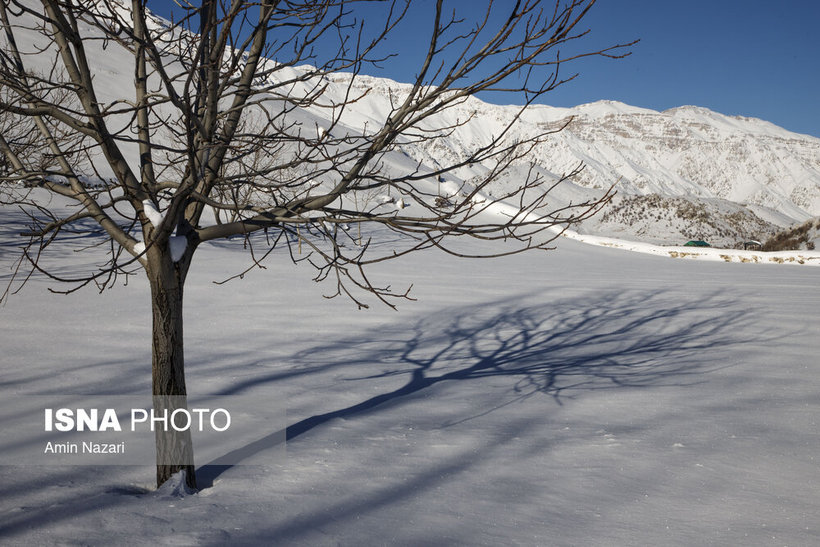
[(696, 243)]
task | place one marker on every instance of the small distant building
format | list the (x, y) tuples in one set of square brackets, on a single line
[(696, 243), (752, 244)]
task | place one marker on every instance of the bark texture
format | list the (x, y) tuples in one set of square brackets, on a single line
[(174, 448)]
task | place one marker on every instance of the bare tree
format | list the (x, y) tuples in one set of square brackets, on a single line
[(236, 124)]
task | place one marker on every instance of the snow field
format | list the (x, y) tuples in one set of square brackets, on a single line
[(584, 396)]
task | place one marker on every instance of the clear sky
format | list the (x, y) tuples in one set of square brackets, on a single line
[(757, 58)]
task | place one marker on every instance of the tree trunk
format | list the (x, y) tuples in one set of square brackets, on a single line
[(174, 448)]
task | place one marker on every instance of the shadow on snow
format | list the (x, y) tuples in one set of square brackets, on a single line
[(558, 349)]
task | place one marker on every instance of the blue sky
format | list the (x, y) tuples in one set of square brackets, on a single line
[(747, 57)]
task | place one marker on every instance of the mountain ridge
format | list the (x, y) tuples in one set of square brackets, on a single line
[(716, 162), (687, 151)]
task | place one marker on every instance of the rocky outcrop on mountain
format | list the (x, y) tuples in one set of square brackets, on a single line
[(654, 218), (803, 236), (692, 151)]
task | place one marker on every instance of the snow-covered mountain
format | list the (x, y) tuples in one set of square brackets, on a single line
[(679, 173), (692, 151), (723, 178)]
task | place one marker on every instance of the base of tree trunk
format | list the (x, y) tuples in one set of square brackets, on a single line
[(166, 472)]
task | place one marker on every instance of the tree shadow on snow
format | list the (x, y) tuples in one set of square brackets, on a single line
[(558, 349)]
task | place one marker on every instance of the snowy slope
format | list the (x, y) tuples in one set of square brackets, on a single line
[(688, 152), (581, 397), (714, 161), (586, 396)]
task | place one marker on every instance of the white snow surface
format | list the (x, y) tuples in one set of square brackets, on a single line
[(801, 257), (154, 216), (585, 396), (177, 245)]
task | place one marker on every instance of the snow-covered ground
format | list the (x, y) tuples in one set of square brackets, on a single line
[(586, 396)]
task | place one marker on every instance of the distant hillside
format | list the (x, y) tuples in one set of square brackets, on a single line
[(686, 172), (737, 177), (659, 219), (804, 236)]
